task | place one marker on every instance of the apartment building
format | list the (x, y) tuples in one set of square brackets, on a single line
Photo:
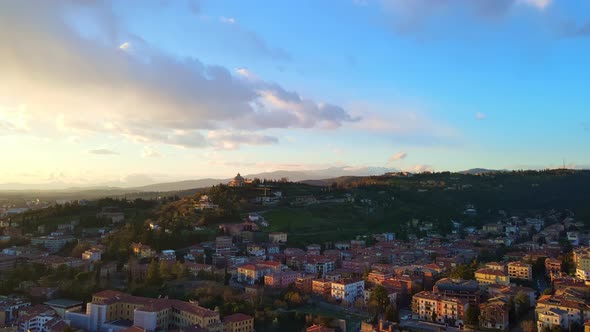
[(520, 270), (146, 313), (437, 308), (489, 276), (348, 290)]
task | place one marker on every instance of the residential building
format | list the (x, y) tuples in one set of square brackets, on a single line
[(520, 270), (36, 318), (348, 290), (146, 313), (494, 314), (281, 279), (553, 317), (489, 276), (378, 277), (319, 328), (9, 307), (552, 266), (458, 288), (142, 250), (321, 287), (238, 323), (92, 254), (277, 237), (437, 308), (54, 242)]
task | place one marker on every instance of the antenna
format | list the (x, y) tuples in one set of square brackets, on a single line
[(563, 163)]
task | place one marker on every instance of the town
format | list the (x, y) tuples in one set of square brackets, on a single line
[(175, 263)]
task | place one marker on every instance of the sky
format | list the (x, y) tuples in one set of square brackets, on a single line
[(136, 92)]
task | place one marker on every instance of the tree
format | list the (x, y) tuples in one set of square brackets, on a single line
[(164, 270), (153, 274), (528, 326), (379, 299), (392, 313), (472, 315)]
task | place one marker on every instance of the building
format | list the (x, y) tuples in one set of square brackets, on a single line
[(314, 249), (321, 287), (378, 277), (109, 307), (319, 328), (60, 306), (519, 270), (319, 265), (223, 244), (142, 251), (277, 237), (238, 323), (54, 242), (553, 317), (458, 288), (113, 213), (552, 266), (494, 314), (489, 276), (9, 307), (437, 308), (281, 279), (92, 254), (37, 318), (348, 290), (237, 181)]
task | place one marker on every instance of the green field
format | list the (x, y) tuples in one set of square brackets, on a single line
[(322, 223)]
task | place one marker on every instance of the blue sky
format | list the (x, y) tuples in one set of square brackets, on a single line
[(132, 92)]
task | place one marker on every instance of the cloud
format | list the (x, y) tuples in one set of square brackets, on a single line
[(419, 168), (103, 151), (409, 16), (396, 157), (227, 20), (124, 86), (232, 140), (586, 126), (149, 152), (480, 116)]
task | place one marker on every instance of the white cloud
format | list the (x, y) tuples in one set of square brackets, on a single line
[(227, 20), (397, 156), (125, 46), (480, 116), (103, 151), (538, 4), (419, 168), (150, 152)]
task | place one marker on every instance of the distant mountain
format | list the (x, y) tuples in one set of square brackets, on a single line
[(321, 174), (475, 171), (180, 185), (295, 176)]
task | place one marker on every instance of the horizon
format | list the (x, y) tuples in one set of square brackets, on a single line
[(95, 92)]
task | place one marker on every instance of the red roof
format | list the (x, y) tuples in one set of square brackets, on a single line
[(238, 317)]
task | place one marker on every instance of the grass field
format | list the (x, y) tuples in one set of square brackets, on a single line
[(319, 223)]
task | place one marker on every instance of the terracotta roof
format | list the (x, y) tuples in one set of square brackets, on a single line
[(238, 317)]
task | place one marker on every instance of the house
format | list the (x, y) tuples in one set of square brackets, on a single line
[(60, 306), (494, 314), (551, 318), (251, 273), (520, 270), (491, 276), (348, 290), (142, 250)]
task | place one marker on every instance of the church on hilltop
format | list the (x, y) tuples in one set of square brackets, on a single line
[(237, 181)]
